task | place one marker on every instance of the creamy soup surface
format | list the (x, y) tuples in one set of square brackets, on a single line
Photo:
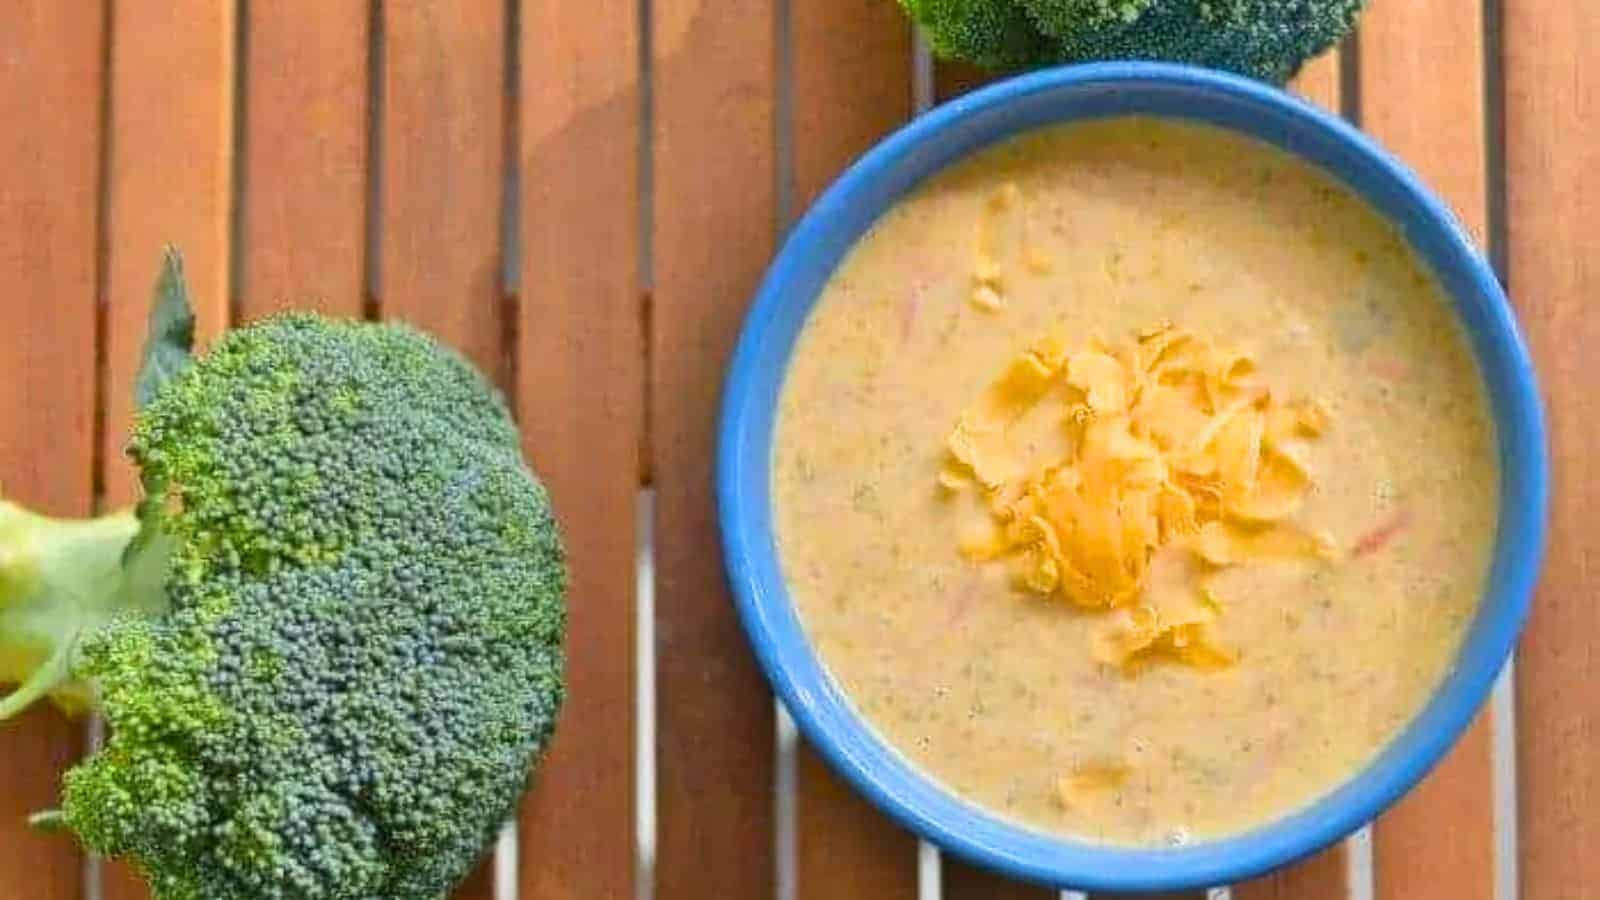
[(1116, 225)]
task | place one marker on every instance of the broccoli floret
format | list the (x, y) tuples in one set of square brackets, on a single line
[(1056, 17), (1265, 39), (333, 652), (995, 34)]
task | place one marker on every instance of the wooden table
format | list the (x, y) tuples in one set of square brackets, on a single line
[(582, 196)]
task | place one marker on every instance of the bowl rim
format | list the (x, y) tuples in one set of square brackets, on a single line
[(916, 800)]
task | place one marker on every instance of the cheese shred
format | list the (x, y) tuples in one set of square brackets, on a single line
[(1181, 462)]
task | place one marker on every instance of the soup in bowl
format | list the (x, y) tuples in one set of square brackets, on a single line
[(1131, 478)]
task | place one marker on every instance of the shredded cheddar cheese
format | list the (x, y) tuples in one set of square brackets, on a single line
[(1088, 782), (986, 298), (1182, 462), (988, 274)]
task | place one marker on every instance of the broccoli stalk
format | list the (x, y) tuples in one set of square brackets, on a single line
[(61, 579)]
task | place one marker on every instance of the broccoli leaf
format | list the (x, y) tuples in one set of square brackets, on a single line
[(168, 350), (170, 339)]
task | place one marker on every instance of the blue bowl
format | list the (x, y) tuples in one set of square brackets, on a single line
[(951, 132)]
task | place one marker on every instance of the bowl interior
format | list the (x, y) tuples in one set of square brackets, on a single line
[(827, 233)]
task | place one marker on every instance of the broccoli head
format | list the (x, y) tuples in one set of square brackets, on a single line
[(1265, 39), (329, 642)]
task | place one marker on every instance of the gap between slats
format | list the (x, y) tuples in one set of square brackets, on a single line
[(786, 740), (645, 516), (1503, 703), (930, 866)]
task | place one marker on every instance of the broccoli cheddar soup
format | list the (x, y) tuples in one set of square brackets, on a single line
[(1134, 481)]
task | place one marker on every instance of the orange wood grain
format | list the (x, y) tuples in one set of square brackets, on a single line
[(1439, 840), (120, 881), (305, 157), (169, 182), (479, 883), (1324, 876), (1319, 81), (714, 219), (845, 847), (50, 101), (1423, 96), (1552, 112), (443, 154), (846, 95), (952, 79), (171, 123), (579, 388), (962, 881)]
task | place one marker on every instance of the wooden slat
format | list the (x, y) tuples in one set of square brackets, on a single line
[(580, 392), (966, 882), (1439, 840), (1324, 876), (169, 181), (713, 235), (1553, 204), (443, 154), (305, 157), (479, 884), (847, 95), (1319, 81), (50, 102), (952, 79), (846, 848), (1423, 97)]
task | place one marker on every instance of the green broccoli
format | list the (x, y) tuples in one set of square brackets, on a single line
[(995, 34), (1069, 16), (1265, 39), (328, 643)]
